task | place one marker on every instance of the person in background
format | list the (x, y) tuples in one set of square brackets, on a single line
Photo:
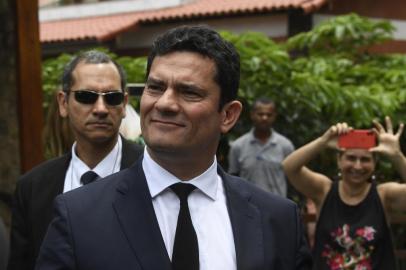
[(257, 155), (352, 213), (176, 209), (93, 99)]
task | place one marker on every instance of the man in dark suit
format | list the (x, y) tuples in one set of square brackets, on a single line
[(176, 208), (93, 99)]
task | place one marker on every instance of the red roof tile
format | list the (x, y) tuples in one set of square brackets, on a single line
[(105, 27)]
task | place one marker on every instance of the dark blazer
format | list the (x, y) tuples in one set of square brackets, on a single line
[(111, 224), (33, 205)]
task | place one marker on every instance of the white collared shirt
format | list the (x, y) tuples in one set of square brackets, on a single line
[(208, 210), (110, 164)]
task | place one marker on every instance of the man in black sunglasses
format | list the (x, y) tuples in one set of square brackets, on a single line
[(93, 98)]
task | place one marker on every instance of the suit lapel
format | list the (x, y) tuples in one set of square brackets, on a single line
[(134, 209), (246, 223)]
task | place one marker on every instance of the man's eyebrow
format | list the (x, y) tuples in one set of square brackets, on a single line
[(154, 80), (191, 86)]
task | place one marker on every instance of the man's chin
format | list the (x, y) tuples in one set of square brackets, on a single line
[(102, 138), (162, 148)]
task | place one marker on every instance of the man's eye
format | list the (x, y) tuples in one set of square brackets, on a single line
[(191, 93), (154, 88)]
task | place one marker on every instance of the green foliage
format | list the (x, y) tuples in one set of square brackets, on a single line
[(51, 76), (135, 69), (263, 63), (343, 34)]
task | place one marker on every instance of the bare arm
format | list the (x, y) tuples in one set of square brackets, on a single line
[(389, 145), (393, 194), (311, 184), (399, 161)]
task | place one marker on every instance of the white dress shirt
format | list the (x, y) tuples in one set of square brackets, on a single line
[(110, 164), (208, 210)]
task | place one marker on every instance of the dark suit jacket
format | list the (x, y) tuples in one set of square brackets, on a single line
[(111, 224), (33, 204)]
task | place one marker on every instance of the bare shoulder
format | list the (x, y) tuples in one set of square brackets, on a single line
[(324, 186), (386, 188), (315, 186), (393, 195)]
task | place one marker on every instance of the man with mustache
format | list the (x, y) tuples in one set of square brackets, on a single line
[(176, 209), (93, 98)]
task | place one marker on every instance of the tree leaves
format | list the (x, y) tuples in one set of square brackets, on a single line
[(348, 34)]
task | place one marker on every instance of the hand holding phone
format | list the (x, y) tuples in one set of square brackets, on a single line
[(357, 138)]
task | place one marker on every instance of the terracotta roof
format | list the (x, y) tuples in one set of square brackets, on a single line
[(105, 27)]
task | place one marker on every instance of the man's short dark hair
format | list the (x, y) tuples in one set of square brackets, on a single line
[(90, 57), (263, 100), (207, 42)]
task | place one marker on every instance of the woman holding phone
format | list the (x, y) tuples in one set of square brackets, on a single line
[(352, 213)]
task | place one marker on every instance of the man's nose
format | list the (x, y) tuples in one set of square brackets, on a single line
[(100, 106), (168, 101)]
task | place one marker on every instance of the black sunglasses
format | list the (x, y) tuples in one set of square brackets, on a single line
[(112, 98)]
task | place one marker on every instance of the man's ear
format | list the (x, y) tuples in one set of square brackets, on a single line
[(62, 99), (229, 115)]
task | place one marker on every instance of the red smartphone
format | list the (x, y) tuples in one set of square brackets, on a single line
[(357, 138)]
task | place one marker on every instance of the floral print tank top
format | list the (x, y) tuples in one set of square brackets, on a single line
[(353, 237)]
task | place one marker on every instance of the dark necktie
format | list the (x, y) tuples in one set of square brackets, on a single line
[(185, 254), (88, 177)]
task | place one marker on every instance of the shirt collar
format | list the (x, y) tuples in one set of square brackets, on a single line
[(159, 179), (110, 164), (271, 140)]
